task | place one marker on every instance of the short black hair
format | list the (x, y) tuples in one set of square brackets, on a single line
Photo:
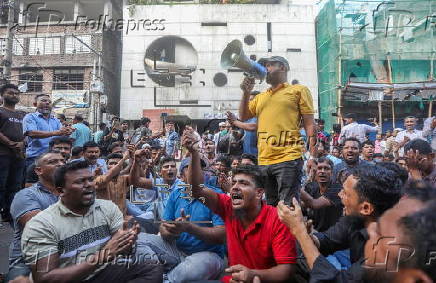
[(78, 117), (114, 156), (145, 120), (59, 174), (113, 145), (321, 121), (166, 159), (41, 95), (419, 228), (76, 150), (367, 142), (89, 144), (101, 126), (62, 116), (354, 140), (251, 170), (324, 160), (401, 173), (59, 140), (225, 160), (250, 157), (420, 190), (4, 87), (378, 186), (418, 144)]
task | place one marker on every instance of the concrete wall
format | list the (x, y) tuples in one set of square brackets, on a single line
[(292, 28)]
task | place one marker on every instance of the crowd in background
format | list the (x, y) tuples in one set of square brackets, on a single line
[(269, 196)]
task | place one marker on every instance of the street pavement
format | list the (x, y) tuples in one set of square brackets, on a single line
[(6, 235)]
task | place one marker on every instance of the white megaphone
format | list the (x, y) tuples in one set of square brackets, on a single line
[(233, 56)]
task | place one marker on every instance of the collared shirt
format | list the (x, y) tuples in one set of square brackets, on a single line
[(347, 233), (279, 113), (81, 135), (35, 197), (36, 122), (186, 242), (355, 130), (265, 243), (115, 190), (72, 236), (100, 163), (415, 134), (162, 194), (250, 139), (170, 143)]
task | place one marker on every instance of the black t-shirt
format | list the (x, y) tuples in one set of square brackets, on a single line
[(11, 125), (325, 217)]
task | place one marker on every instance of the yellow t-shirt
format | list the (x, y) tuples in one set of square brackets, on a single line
[(278, 115)]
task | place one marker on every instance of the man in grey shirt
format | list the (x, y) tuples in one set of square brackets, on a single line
[(30, 201)]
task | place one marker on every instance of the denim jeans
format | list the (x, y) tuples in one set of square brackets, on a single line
[(282, 181), (180, 267), (11, 179)]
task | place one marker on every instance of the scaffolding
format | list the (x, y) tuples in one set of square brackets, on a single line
[(376, 42)]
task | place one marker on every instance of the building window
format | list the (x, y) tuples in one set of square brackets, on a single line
[(74, 46), (44, 45), (33, 79), (17, 46), (68, 79)]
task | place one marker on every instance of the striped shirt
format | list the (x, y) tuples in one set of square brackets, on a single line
[(72, 236)]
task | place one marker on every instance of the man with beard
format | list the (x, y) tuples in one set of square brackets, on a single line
[(28, 203), (91, 154), (401, 243), (368, 192), (368, 151), (40, 127), (80, 237), (11, 148), (321, 197), (279, 111), (249, 223), (350, 155)]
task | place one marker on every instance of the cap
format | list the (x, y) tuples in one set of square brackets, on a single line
[(222, 124), (280, 59)]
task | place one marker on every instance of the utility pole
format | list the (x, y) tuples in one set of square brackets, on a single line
[(7, 62)]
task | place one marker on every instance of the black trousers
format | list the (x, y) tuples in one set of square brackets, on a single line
[(282, 181), (141, 272)]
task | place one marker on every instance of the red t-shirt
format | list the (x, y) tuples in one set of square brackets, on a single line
[(266, 243)]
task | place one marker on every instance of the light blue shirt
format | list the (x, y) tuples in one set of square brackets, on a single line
[(162, 195), (100, 163), (81, 135), (36, 122)]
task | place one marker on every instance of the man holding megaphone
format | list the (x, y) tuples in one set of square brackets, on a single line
[(279, 111)]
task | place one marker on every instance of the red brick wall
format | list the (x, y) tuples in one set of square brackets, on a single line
[(154, 115)]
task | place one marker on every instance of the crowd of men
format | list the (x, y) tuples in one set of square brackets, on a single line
[(268, 197)]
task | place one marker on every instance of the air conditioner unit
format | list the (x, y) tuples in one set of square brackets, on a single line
[(96, 86)]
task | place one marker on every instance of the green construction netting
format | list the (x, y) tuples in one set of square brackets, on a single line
[(373, 41)]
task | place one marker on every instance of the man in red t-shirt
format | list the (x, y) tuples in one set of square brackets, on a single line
[(258, 243)]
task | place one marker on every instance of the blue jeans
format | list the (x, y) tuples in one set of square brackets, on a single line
[(282, 181), (11, 179), (180, 267)]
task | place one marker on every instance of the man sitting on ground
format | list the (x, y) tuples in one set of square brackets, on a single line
[(79, 237), (248, 222), (29, 202)]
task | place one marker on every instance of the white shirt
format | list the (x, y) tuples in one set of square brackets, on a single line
[(357, 131), (415, 134)]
